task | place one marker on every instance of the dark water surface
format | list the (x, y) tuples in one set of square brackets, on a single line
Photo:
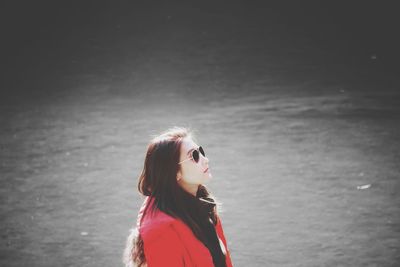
[(297, 106)]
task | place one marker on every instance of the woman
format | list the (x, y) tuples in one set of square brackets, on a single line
[(177, 224)]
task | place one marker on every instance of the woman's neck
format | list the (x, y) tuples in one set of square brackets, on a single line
[(190, 188)]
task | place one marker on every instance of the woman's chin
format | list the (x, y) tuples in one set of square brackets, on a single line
[(208, 175)]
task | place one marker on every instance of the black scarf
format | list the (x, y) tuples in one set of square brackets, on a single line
[(207, 206)]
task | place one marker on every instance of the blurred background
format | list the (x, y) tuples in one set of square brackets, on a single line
[(296, 104)]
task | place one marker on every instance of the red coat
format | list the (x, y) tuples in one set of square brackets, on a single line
[(168, 242)]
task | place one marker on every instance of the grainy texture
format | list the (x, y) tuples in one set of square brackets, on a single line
[(297, 107)]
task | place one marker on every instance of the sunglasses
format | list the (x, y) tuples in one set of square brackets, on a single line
[(195, 155)]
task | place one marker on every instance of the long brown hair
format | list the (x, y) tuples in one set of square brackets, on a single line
[(158, 180)]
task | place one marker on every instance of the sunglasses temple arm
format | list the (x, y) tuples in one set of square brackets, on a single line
[(184, 160)]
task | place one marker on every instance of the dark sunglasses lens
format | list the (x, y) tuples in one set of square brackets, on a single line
[(196, 156), (202, 151)]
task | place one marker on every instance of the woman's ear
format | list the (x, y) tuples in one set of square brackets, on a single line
[(178, 176)]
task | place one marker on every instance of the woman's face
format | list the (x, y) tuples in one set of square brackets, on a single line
[(192, 174)]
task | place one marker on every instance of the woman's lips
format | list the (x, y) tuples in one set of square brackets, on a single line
[(206, 170)]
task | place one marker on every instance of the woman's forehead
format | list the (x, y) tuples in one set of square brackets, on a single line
[(187, 145)]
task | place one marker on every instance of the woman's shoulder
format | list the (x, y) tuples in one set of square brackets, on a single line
[(153, 223)]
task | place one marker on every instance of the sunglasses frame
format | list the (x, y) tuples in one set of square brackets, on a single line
[(191, 156)]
